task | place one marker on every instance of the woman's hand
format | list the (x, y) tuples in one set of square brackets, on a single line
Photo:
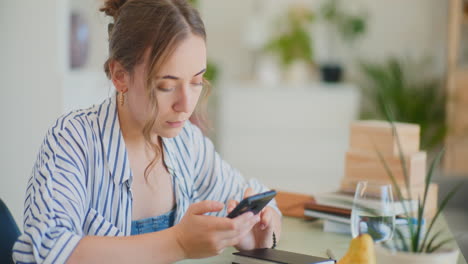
[(261, 234), (201, 236)]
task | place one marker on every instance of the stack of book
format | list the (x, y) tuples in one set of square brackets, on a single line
[(362, 163), (335, 210)]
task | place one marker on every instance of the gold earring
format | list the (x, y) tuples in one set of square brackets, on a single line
[(121, 98)]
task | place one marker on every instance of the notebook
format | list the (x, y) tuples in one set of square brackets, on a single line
[(268, 255)]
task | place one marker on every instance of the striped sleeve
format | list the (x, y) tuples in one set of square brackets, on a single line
[(215, 179), (55, 199)]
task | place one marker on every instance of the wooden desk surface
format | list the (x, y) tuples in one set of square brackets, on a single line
[(303, 237)]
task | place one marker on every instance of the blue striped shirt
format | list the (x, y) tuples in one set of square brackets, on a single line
[(81, 182)]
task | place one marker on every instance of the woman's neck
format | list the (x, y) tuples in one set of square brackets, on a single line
[(131, 128)]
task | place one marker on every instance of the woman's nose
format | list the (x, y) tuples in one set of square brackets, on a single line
[(183, 102)]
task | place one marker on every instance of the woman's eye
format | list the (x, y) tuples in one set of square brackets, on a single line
[(165, 89), (198, 84)]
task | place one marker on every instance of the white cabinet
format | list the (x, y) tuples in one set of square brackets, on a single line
[(290, 138)]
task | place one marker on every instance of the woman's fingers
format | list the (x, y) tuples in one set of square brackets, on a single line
[(231, 204), (266, 218), (242, 225), (203, 207), (248, 192)]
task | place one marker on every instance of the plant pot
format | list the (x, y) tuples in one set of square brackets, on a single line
[(386, 256), (298, 72), (331, 73)]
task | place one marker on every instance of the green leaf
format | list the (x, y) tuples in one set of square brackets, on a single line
[(428, 181), (402, 239), (417, 235), (414, 236), (412, 94), (397, 188), (436, 247), (211, 73), (439, 210), (434, 237)]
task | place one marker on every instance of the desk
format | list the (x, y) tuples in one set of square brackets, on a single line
[(303, 237)]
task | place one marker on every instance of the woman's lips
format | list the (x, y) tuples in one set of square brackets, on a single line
[(175, 124)]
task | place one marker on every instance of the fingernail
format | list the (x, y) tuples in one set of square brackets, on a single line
[(262, 227)]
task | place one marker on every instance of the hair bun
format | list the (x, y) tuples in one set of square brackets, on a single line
[(112, 7)]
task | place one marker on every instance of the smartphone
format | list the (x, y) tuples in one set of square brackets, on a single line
[(254, 203)]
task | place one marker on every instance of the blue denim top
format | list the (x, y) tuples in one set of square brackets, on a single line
[(153, 224)]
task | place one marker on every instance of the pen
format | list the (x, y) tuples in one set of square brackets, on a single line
[(330, 254)]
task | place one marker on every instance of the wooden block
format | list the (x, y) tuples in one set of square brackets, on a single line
[(292, 204), (417, 192), (461, 86), (432, 201), (458, 122), (456, 156), (368, 166), (372, 134)]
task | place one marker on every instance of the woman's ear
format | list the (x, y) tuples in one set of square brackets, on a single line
[(119, 76)]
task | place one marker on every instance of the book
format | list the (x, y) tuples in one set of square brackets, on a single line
[(417, 191), (345, 219), (345, 228), (268, 255), (338, 220), (312, 205), (332, 210), (343, 200)]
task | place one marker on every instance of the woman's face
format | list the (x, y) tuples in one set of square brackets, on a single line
[(178, 88)]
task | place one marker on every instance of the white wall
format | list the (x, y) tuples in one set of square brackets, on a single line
[(37, 84), (88, 85), (30, 90)]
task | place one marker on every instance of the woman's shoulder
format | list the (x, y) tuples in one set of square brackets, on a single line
[(79, 122), (82, 117)]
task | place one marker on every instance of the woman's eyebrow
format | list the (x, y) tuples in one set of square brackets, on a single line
[(202, 71), (171, 77)]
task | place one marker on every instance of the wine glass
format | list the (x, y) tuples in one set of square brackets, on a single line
[(373, 211)]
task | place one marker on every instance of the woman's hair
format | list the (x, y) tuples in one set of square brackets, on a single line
[(155, 25)]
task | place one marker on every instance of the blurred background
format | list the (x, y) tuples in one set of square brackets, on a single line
[(288, 78)]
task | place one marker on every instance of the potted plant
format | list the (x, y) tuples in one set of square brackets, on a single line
[(411, 92), (419, 247), (341, 27), (293, 43)]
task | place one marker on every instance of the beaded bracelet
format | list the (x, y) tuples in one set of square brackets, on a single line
[(274, 241)]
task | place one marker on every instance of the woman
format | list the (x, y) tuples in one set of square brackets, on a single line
[(132, 180)]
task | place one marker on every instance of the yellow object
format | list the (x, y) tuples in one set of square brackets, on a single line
[(361, 251)]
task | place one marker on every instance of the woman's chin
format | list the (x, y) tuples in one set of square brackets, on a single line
[(169, 133)]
